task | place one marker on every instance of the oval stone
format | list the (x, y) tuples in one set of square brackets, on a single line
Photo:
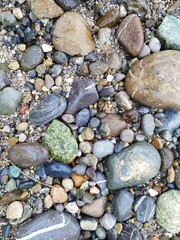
[(58, 170), (27, 154), (155, 81), (134, 165)]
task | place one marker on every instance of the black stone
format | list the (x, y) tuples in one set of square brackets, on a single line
[(130, 232), (91, 57), (41, 171), (107, 91), (67, 4), (60, 57), (58, 170), (56, 70)]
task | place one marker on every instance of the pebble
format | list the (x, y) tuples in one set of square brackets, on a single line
[(14, 65), (94, 122), (130, 232), (108, 221), (23, 126), (14, 210), (85, 147), (157, 143), (103, 148), (82, 117), (16, 195), (14, 172), (49, 81), (177, 178), (144, 52), (112, 234), (167, 158), (114, 61), (58, 194), (67, 5), (88, 224), (10, 185), (41, 172), (100, 232), (67, 184), (127, 135), (98, 68), (60, 57), (6, 230), (39, 84), (154, 44), (26, 184), (7, 19), (109, 19), (104, 35), (22, 138), (79, 179), (148, 124), (48, 202), (87, 134), (72, 208), (4, 80), (56, 70), (68, 118), (58, 170)]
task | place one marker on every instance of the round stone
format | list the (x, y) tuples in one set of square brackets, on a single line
[(60, 57), (127, 135), (148, 124), (58, 194), (154, 44), (103, 148), (108, 221), (82, 118), (68, 184), (14, 210)]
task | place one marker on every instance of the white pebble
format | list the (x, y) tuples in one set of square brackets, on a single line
[(154, 44), (18, 13), (152, 192), (46, 48), (109, 78), (122, 11), (68, 184), (72, 207), (22, 137)]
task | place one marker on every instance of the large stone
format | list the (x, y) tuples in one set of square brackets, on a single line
[(71, 35), (109, 19), (51, 107), (60, 142), (130, 232), (155, 81), (9, 100), (50, 225), (83, 94), (134, 165), (28, 154), (168, 211)]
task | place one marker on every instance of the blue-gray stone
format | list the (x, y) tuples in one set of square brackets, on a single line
[(41, 171), (130, 232), (4, 171), (7, 19), (4, 80), (60, 57), (112, 234), (67, 4), (102, 148), (26, 184), (56, 70), (14, 172), (6, 230), (82, 118), (101, 181), (58, 170), (94, 122)]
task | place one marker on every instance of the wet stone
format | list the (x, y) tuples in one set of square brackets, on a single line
[(41, 172), (58, 170)]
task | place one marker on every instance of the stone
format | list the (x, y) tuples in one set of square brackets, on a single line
[(169, 33), (167, 158), (130, 232), (100, 232), (75, 41), (10, 185), (48, 202), (14, 210), (94, 122), (49, 81), (79, 179), (83, 94), (134, 165), (50, 108), (58, 170), (67, 4), (95, 209), (102, 148), (98, 68), (27, 154), (60, 142), (10, 99), (4, 80), (45, 9), (130, 34), (108, 221), (88, 224), (85, 147), (127, 135), (138, 7), (154, 44), (145, 51), (31, 58), (177, 178), (122, 205), (104, 35), (87, 134), (159, 89), (123, 100), (7, 19), (89, 160), (109, 19), (58, 194), (82, 118), (50, 225), (14, 172), (167, 211), (60, 57), (16, 195), (83, 69), (67, 184), (25, 185), (23, 126), (148, 124), (114, 61), (39, 84)]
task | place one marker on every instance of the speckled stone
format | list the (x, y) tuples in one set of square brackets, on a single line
[(109, 19)]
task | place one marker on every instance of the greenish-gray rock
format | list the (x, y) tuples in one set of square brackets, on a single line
[(134, 165), (169, 33), (7, 18), (10, 185), (9, 100), (60, 142), (168, 211)]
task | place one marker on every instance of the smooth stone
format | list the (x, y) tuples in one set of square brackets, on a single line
[(7, 19), (130, 232), (114, 61), (122, 205), (58, 194), (127, 135), (130, 34), (144, 52), (167, 211), (103, 148), (144, 208), (27, 154), (154, 44), (60, 57), (104, 35), (58, 170), (89, 160), (25, 185), (134, 165), (111, 234), (167, 158), (50, 108), (88, 224), (50, 225), (49, 81), (169, 33), (67, 4), (39, 84), (82, 118), (10, 185), (148, 124), (177, 178), (6, 230), (10, 197), (4, 80), (100, 181), (67, 184), (94, 122), (27, 212), (123, 100), (109, 19), (138, 7), (107, 91), (159, 89), (41, 171), (83, 94), (75, 41), (14, 210), (108, 221), (98, 68), (10, 100), (60, 142)]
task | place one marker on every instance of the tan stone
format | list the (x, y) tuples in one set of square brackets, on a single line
[(157, 143), (58, 194), (14, 210), (12, 141), (48, 202), (39, 84), (23, 126), (79, 179)]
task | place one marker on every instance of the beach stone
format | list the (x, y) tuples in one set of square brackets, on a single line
[(82, 118), (134, 165), (169, 33), (10, 185), (16, 195), (50, 225), (14, 172), (14, 210), (75, 41), (98, 68), (83, 94), (68, 184), (23, 126), (114, 61), (31, 58), (60, 57), (58, 170), (130, 232), (123, 100), (88, 224), (58, 194), (154, 44), (148, 124), (10, 99), (50, 108), (160, 88), (39, 84), (130, 34), (7, 19), (102, 148), (67, 4), (177, 178), (138, 7), (25, 185), (122, 205), (167, 158), (127, 135), (109, 19), (4, 80), (145, 51), (167, 211), (60, 142), (49, 81), (89, 160), (108, 221), (79, 179), (27, 154), (104, 35)]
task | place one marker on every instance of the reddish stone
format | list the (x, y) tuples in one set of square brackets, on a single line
[(23, 110)]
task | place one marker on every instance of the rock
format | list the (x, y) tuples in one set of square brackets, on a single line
[(10, 185), (127, 135), (88, 224), (83, 94), (94, 122), (107, 91), (16, 195), (50, 225), (75, 41), (14, 172), (87, 134), (4, 81), (122, 205), (130, 232), (177, 178), (130, 34), (144, 208), (7, 19), (82, 118), (123, 100), (60, 142), (68, 184), (22, 127), (89, 160), (67, 4), (10, 100), (103, 148), (138, 7), (49, 81), (145, 51), (160, 88), (14, 210), (45, 9), (31, 58), (148, 124), (50, 108), (95, 209), (167, 211), (39, 84), (72, 207), (25, 185), (79, 179), (108, 221), (58, 194), (109, 19), (169, 33), (58, 170), (134, 165), (60, 57), (98, 68), (167, 158), (27, 154), (154, 44), (104, 35), (100, 232), (114, 61), (48, 202)]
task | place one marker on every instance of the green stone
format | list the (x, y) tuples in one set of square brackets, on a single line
[(169, 33), (4, 67), (14, 172), (10, 185), (60, 142), (26, 184)]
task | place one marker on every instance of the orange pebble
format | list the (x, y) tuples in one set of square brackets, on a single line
[(79, 179)]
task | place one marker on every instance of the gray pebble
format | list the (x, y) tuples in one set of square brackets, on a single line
[(7, 18), (102, 148), (127, 135), (154, 44), (4, 81), (60, 57), (82, 118), (108, 221), (94, 122), (88, 224), (148, 124), (100, 232)]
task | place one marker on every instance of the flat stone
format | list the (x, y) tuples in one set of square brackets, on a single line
[(28, 154), (16, 195), (156, 88), (130, 34), (50, 108), (14, 210), (98, 68), (4, 80), (88, 224), (77, 40), (109, 19), (114, 61), (58, 170), (102, 148), (82, 118), (67, 4), (130, 232), (134, 165), (167, 158), (50, 225)]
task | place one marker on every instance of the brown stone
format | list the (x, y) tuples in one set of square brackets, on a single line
[(16, 195), (157, 143), (130, 34), (39, 84), (71, 35), (79, 179), (155, 80), (58, 194), (109, 19)]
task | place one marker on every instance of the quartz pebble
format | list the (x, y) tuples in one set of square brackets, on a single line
[(88, 224), (127, 135), (154, 44), (14, 210)]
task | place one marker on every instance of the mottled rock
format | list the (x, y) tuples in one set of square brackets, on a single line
[(16, 195), (98, 68), (4, 80), (88, 224), (167, 158), (7, 19), (102, 148), (109, 19), (138, 7), (58, 170), (130, 232), (114, 61), (123, 100)]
